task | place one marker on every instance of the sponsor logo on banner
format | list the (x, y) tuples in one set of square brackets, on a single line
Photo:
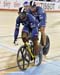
[(9, 4), (46, 5)]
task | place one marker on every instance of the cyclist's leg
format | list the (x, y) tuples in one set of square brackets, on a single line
[(43, 35), (42, 27), (35, 40), (25, 33)]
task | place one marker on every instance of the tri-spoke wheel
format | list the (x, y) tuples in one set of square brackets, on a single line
[(23, 58)]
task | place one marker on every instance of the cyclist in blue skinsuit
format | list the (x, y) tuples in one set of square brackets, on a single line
[(40, 15), (30, 26)]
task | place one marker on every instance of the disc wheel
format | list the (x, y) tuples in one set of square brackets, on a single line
[(47, 46)]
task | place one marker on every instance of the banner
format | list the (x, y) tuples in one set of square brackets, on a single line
[(49, 6), (15, 4), (6, 4)]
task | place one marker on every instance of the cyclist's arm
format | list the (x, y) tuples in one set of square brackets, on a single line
[(17, 28), (41, 13)]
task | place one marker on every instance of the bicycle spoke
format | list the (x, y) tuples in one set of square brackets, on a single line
[(19, 60), (22, 51), (26, 60)]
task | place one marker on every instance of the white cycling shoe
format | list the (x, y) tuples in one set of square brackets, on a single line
[(37, 60)]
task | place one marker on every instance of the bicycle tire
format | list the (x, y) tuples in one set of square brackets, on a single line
[(46, 48), (23, 59)]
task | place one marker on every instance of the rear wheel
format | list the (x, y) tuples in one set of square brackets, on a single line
[(23, 58)]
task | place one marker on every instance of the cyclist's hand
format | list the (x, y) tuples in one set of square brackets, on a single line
[(15, 43)]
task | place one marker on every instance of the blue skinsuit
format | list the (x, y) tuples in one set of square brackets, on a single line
[(30, 25), (40, 15)]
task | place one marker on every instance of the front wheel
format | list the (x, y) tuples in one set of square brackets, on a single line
[(23, 58)]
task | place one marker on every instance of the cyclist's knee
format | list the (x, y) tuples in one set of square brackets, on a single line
[(24, 36), (42, 30), (35, 40), (43, 33)]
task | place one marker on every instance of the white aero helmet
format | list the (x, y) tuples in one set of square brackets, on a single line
[(22, 12), (26, 3), (32, 3)]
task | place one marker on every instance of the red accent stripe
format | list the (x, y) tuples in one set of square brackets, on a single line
[(53, 11), (8, 9)]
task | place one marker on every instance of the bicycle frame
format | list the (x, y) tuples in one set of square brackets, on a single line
[(28, 48)]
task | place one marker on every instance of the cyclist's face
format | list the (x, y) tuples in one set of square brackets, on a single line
[(33, 9), (26, 8), (22, 16)]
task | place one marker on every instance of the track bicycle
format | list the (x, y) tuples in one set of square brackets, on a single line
[(26, 54)]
